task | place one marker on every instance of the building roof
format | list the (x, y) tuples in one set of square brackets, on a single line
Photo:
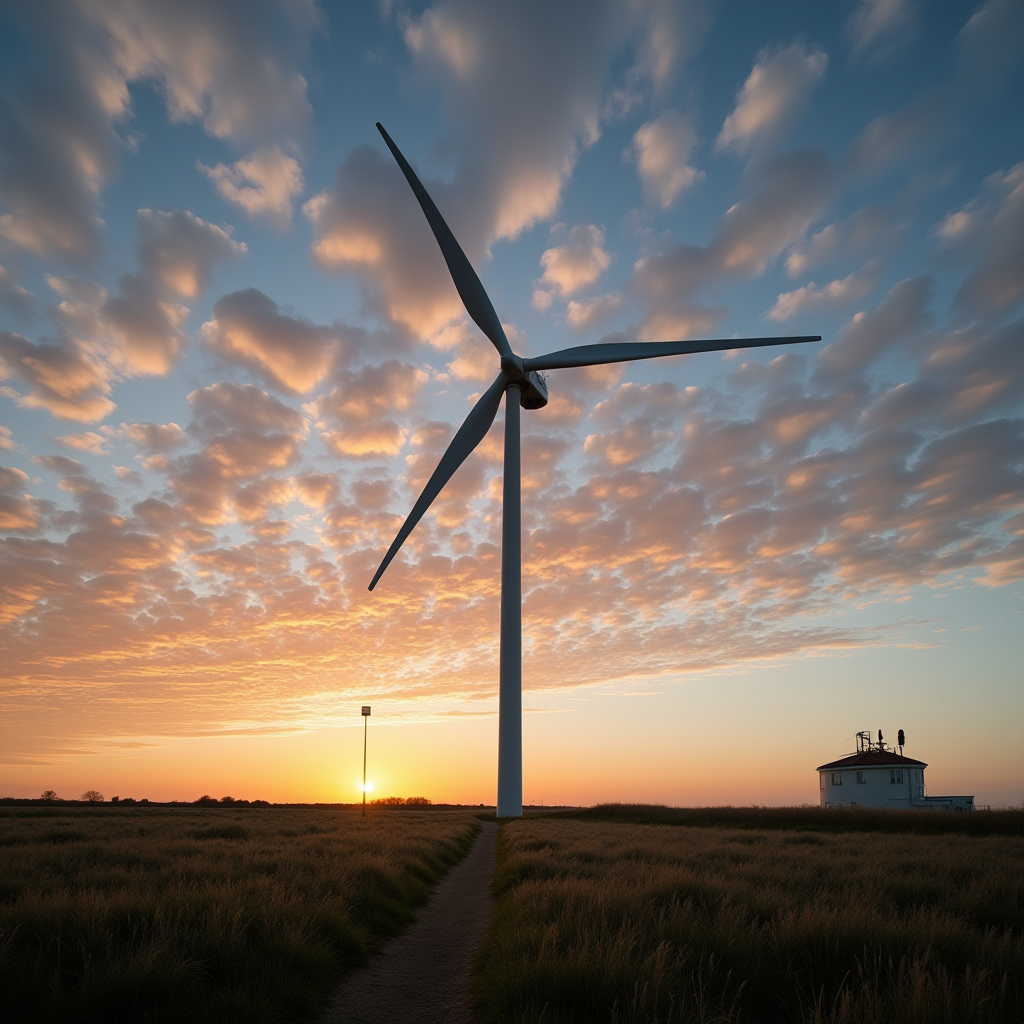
[(872, 759)]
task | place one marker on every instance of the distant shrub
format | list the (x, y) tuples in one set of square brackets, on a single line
[(63, 835), (814, 819), (206, 799), (48, 794), (402, 801), (221, 832), (92, 796)]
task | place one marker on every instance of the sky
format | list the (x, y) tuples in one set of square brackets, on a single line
[(231, 356)]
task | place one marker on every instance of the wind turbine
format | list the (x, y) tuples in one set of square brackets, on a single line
[(522, 381)]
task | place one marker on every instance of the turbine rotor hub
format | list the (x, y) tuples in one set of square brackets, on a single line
[(532, 385), (513, 365)]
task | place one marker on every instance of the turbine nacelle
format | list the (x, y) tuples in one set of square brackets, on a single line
[(534, 389)]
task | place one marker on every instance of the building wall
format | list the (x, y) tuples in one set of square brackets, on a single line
[(947, 803), (899, 787)]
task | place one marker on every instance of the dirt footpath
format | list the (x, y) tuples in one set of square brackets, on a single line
[(422, 975)]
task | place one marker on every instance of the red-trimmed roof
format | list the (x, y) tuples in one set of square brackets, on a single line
[(872, 759)]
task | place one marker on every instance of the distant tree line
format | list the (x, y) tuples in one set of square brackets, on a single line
[(90, 796), (94, 796), (211, 801)]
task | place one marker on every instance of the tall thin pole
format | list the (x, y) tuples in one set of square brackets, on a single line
[(510, 674), (366, 722)]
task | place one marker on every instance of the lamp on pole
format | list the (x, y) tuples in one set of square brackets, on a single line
[(366, 718)]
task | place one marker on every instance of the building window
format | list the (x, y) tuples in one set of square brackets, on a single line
[(837, 778), (861, 781), (896, 777)]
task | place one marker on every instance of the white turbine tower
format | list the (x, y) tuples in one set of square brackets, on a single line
[(521, 379)]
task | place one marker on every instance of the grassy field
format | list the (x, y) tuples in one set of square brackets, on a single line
[(204, 914), (756, 916)]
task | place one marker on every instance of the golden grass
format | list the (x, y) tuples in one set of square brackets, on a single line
[(204, 914), (600, 921)]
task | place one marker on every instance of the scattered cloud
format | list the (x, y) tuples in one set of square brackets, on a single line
[(17, 300), (852, 288), (789, 193), (232, 68), (90, 441), (987, 43), (879, 25), (872, 229), (248, 329), (68, 382), (19, 512), (903, 314), (177, 250), (520, 138), (662, 150), (263, 183), (990, 229), (818, 249), (578, 262), (679, 321), (584, 314), (356, 419), (154, 438), (772, 97), (370, 225), (137, 330), (246, 435)]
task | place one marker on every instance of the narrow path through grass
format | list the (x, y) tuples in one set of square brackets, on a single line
[(423, 976)]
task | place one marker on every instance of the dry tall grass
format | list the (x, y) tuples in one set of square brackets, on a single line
[(599, 921), (204, 914)]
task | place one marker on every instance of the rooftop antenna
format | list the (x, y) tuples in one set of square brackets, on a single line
[(901, 738), (521, 381)]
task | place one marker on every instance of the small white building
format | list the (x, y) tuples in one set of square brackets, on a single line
[(878, 776)]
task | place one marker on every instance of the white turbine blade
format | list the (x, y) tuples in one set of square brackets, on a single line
[(469, 435), (471, 291), (626, 351)]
